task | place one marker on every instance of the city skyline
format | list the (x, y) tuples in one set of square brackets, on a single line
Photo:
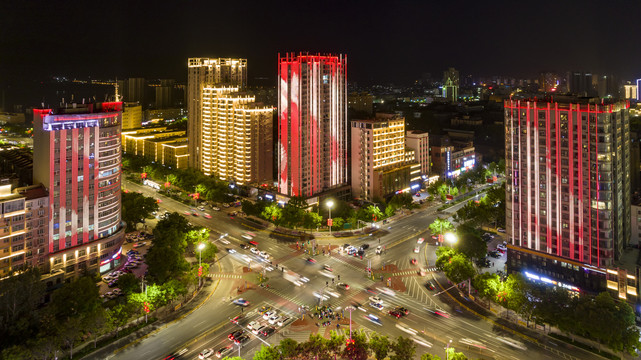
[(383, 46)]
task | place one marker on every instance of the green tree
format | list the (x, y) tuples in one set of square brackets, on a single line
[(315, 346), (512, 293), (470, 242), (312, 220), (403, 349), (119, 315), (129, 283), (487, 285), (374, 213), (380, 345), (440, 226), (459, 268), (294, 212), (288, 348), (335, 344), (273, 213), (20, 298), (430, 357), (174, 289), (75, 299), (358, 348), (337, 223), (16, 352), (267, 353), (209, 252), (136, 207)]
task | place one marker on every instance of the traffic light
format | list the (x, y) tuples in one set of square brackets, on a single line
[(146, 307), (200, 271)]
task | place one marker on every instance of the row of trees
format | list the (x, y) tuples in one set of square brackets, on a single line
[(465, 181), (489, 210), (297, 213), (136, 208), (600, 317), (338, 347), (188, 180)]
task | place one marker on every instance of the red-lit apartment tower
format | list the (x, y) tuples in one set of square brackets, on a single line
[(568, 191), (312, 123), (77, 157)]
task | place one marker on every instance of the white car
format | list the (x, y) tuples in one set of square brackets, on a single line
[(254, 251), (201, 208), (420, 240), (206, 354), (274, 319), (376, 299), (253, 325), (258, 330), (245, 236), (264, 255), (416, 250), (215, 208), (387, 291), (379, 250), (501, 247), (378, 306), (269, 314), (282, 321)]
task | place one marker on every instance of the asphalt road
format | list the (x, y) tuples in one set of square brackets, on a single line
[(208, 326)]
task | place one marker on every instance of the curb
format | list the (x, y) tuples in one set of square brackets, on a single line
[(136, 341), (515, 332)]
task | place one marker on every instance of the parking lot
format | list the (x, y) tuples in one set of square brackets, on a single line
[(132, 259)]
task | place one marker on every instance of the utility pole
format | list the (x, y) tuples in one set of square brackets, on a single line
[(350, 309)]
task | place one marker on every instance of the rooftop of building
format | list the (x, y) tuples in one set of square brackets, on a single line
[(32, 192), (563, 98), (380, 118), (82, 108), (169, 139)]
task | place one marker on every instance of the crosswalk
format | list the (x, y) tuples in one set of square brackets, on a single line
[(224, 276), (413, 272), (285, 296)]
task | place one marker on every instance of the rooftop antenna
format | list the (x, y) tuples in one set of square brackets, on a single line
[(117, 96)]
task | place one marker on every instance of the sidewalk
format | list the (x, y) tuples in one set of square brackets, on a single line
[(165, 315)]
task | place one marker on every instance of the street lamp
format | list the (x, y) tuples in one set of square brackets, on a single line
[(350, 309), (451, 238), (330, 204), (447, 350), (201, 246)]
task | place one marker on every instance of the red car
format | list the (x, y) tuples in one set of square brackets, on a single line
[(413, 261), (396, 314), (253, 243), (234, 334), (236, 319)]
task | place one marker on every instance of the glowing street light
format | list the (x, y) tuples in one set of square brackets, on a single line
[(330, 205), (451, 238)]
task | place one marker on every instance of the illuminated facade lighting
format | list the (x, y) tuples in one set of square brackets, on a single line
[(236, 136), (206, 72), (381, 164), (567, 186), (77, 156), (312, 123)]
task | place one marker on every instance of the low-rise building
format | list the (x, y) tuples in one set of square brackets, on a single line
[(419, 142), (449, 157), (158, 144)]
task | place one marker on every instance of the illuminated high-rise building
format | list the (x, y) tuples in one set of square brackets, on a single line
[(568, 191), (236, 136), (77, 157), (131, 116), (381, 164), (206, 72), (312, 123)]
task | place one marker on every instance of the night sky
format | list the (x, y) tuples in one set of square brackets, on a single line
[(392, 41)]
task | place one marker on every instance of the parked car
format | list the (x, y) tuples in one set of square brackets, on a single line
[(267, 331)]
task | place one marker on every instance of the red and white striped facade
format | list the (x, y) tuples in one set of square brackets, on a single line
[(312, 123), (77, 156), (567, 178)]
